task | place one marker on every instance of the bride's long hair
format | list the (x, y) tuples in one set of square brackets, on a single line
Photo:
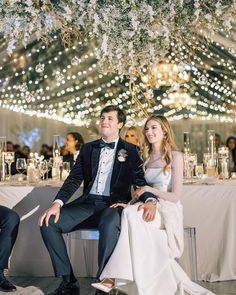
[(168, 143)]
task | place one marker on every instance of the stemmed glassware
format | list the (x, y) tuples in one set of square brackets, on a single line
[(9, 158), (65, 170), (192, 162), (199, 171), (21, 167), (43, 168)]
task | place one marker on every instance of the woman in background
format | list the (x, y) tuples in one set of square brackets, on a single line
[(231, 144), (134, 135), (73, 143)]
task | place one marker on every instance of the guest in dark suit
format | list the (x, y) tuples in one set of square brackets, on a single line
[(108, 167), (9, 223), (73, 144)]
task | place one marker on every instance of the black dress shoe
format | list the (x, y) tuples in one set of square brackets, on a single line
[(66, 289), (6, 286)]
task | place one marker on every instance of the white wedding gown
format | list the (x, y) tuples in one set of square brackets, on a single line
[(143, 261)]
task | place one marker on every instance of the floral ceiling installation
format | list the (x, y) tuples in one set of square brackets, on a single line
[(131, 34), (163, 47)]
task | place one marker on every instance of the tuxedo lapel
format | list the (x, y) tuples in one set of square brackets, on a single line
[(95, 158), (117, 164)]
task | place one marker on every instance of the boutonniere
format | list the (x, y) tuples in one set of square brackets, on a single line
[(122, 154)]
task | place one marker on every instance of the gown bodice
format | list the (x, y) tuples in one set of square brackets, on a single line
[(156, 178)]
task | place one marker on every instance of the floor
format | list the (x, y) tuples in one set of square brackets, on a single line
[(48, 284)]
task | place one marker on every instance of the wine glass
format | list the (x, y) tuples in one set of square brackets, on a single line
[(199, 171), (65, 170), (21, 167), (43, 168), (9, 158), (192, 162)]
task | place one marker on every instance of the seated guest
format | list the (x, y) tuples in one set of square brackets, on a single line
[(73, 143), (218, 141), (10, 146), (231, 144), (26, 151), (45, 151), (9, 223), (134, 135)]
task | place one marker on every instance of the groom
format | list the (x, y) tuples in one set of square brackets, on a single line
[(108, 167)]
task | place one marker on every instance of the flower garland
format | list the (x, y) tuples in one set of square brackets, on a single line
[(131, 34)]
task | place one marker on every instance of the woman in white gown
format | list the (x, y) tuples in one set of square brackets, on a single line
[(143, 262)]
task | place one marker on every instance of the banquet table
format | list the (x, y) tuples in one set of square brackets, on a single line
[(211, 209), (29, 256)]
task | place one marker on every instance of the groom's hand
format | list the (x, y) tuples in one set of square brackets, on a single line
[(149, 211), (54, 210)]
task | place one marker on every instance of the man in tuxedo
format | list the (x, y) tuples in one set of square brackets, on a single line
[(108, 167), (9, 223)]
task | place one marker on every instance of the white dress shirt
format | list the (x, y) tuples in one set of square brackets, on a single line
[(101, 185)]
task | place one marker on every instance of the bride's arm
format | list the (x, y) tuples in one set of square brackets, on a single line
[(177, 181)]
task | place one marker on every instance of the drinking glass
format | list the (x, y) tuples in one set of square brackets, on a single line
[(192, 162), (199, 171), (21, 167), (9, 158), (56, 146), (43, 168), (65, 170)]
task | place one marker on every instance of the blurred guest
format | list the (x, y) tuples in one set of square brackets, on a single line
[(134, 135), (234, 158), (45, 151), (26, 151), (10, 147), (16, 147), (231, 144), (218, 141), (73, 143)]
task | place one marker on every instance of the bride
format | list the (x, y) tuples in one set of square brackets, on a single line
[(143, 262)]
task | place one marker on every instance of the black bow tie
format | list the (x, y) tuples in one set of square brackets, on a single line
[(103, 144)]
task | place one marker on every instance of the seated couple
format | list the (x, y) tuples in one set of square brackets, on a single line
[(139, 242)]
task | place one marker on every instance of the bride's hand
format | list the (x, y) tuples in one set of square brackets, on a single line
[(140, 190), (116, 205), (149, 211)]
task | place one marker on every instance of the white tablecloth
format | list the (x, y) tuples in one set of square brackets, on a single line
[(29, 256), (212, 210), (209, 208)]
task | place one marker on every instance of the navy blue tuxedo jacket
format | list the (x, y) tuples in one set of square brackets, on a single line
[(124, 174)]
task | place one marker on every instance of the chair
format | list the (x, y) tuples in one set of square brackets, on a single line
[(88, 235), (188, 260)]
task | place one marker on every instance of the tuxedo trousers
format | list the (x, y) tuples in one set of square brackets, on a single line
[(9, 224), (93, 212)]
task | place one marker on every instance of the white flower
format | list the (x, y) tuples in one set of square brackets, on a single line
[(122, 154), (11, 46)]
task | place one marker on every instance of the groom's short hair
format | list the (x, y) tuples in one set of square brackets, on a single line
[(121, 116)]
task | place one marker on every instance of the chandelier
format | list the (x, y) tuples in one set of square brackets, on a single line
[(179, 99), (165, 74), (162, 74)]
